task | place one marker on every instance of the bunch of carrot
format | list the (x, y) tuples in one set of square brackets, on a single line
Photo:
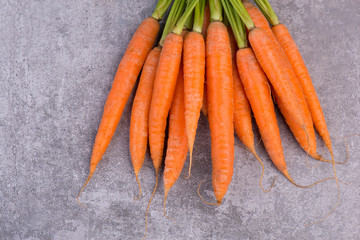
[(245, 63)]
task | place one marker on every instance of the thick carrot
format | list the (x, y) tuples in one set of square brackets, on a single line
[(194, 75), (220, 106), (125, 78), (177, 146), (164, 86), (304, 135), (139, 125)]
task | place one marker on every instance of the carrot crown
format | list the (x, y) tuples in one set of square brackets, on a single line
[(268, 12), (175, 13), (160, 9), (199, 16), (215, 10), (236, 24), (244, 15), (180, 24)]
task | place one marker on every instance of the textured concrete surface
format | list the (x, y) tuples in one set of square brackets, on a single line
[(57, 63)]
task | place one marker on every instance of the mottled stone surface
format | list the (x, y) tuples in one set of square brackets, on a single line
[(57, 63)]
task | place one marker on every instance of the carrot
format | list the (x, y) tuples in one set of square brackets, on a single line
[(194, 74), (125, 78), (269, 59), (164, 87), (220, 101), (177, 146), (139, 125), (305, 135), (293, 55), (242, 109)]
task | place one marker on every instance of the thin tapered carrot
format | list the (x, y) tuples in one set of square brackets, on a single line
[(293, 55), (220, 106), (125, 78), (242, 109), (164, 87), (305, 136), (270, 61), (139, 124), (292, 52), (177, 146), (194, 75)]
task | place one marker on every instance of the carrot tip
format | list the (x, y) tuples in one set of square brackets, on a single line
[(148, 207), (88, 179), (165, 196), (189, 174), (262, 172), (204, 201), (137, 180)]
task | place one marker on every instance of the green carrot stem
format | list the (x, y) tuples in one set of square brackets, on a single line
[(268, 11), (160, 9), (215, 10), (190, 20), (199, 16), (236, 24), (174, 15), (244, 15), (180, 24)]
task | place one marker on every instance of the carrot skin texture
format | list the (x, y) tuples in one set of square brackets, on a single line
[(258, 92), (164, 87), (194, 76), (305, 135), (177, 146), (125, 78), (292, 52), (220, 106), (139, 124)]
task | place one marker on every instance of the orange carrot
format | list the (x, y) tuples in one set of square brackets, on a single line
[(204, 108), (271, 61), (194, 72), (294, 57), (220, 105), (139, 125), (177, 146), (304, 135), (292, 52), (125, 78)]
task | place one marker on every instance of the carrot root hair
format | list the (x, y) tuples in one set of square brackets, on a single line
[(165, 197), (148, 207), (202, 199), (287, 175), (137, 180), (87, 181), (262, 173), (189, 173)]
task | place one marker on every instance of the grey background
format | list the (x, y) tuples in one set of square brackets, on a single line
[(57, 63)]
